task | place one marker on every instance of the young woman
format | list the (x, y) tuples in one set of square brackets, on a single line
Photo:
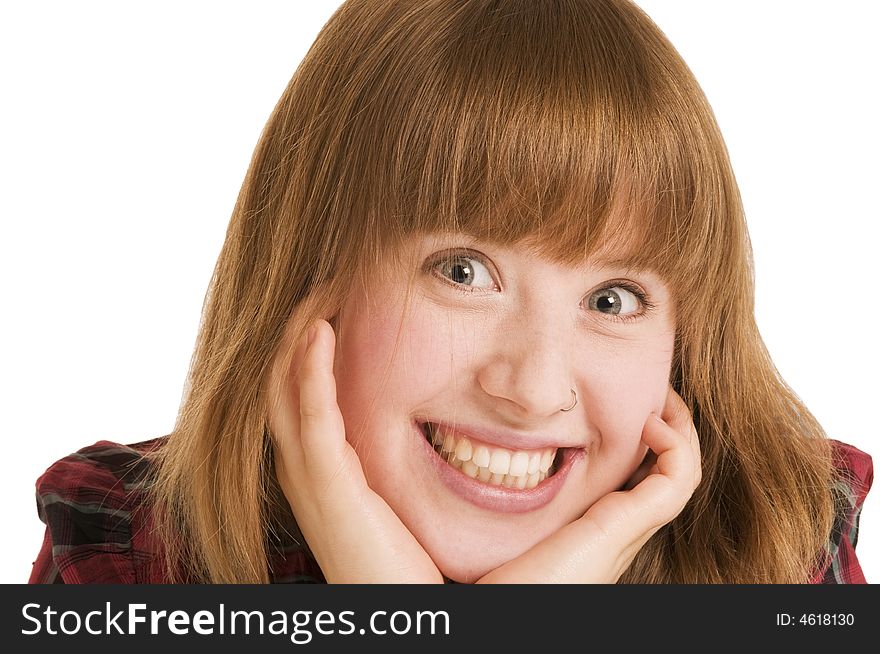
[(484, 312)]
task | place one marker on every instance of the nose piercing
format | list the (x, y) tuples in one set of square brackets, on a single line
[(574, 401)]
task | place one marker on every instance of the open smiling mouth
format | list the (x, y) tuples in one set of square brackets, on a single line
[(498, 466)]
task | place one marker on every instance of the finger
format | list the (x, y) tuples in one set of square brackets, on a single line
[(677, 415), (322, 429), (673, 448), (283, 391), (647, 467)]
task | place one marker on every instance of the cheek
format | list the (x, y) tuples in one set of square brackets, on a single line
[(624, 384), (388, 364), (432, 361), (364, 345)]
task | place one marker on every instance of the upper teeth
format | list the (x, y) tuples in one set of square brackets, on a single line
[(495, 465)]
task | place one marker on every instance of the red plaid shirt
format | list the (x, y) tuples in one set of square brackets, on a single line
[(99, 529)]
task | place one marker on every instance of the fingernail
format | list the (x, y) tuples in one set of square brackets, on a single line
[(658, 418)]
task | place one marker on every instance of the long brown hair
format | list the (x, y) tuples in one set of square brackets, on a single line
[(573, 123)]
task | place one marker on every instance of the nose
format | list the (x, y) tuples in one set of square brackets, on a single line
[(529, 373)]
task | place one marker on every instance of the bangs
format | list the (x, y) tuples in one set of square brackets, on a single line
[(574, 126)]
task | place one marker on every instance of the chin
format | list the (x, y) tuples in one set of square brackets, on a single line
[(466, 559), (470, 570)]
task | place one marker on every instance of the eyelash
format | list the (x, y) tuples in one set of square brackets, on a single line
[(646, 305), (445, 256)]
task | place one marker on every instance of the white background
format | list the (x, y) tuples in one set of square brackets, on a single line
[(126, 130)]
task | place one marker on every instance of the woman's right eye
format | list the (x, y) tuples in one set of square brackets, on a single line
[(464, 269)]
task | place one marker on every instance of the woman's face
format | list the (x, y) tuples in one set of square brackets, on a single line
[(481, 349)]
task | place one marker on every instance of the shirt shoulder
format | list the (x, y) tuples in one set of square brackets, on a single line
[(854, 478), (91, 502), (99, 522)]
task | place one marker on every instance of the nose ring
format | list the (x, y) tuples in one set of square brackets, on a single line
[(574, 401)]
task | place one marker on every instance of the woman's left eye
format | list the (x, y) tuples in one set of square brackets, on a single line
[(464, 269), (617, 300)]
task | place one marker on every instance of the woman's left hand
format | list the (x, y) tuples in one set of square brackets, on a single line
[(599, 546)]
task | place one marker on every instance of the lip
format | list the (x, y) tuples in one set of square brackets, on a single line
[(499, 498)]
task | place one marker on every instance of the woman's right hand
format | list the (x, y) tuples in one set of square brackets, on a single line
[(352, 532)]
